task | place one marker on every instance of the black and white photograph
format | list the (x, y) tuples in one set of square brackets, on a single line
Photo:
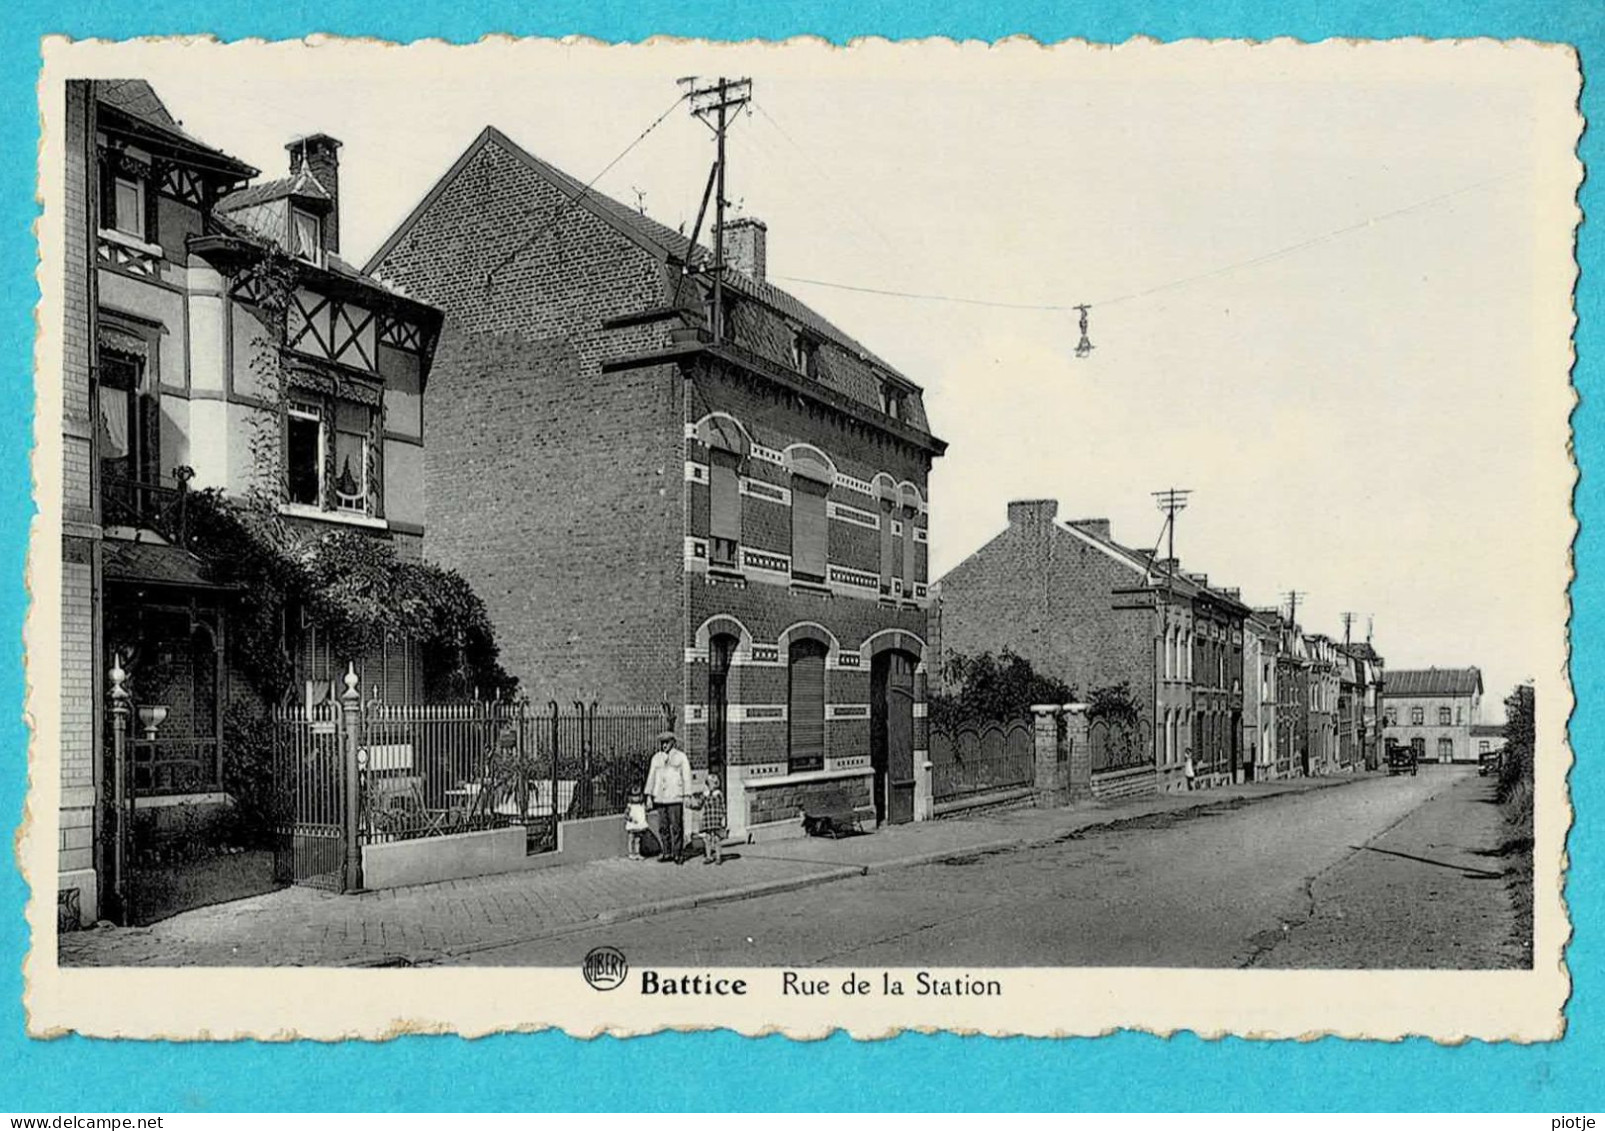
[(792, 536)]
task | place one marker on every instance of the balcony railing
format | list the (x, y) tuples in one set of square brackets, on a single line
[(149, 506)]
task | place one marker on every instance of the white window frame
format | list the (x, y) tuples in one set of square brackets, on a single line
[(316, 255), (315, 414), (139, 187), (361, 504)]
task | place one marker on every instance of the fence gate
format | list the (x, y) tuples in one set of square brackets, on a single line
[(309, 774)]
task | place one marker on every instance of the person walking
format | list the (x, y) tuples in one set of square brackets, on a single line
[(668, 784), (1190, 770)]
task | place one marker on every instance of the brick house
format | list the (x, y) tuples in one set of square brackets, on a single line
[(732, 522), (1433, 710), (1321, 720), (1261, 650), (172, 384), (1094, 613), (1368, 671)]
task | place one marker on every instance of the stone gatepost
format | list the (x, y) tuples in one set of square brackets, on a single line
[(1050, 756), (1078, 760)]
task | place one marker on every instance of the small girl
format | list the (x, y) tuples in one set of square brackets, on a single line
[(714, 821), (635, 821)]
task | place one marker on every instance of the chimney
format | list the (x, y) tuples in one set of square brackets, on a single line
[(746, 247), (1201, 579), (1097, 527), (1027, 512), (1234, 594), (320, 154), (1169, 565)]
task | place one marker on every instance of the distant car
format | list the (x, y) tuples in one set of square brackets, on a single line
[(1488, 764), (1401, 760)]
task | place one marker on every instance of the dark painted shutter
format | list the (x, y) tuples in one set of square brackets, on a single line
[(806, 706), (810, 533), (724, 487), (888, 549), (910, 570)]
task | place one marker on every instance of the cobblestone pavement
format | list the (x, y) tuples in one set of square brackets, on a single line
[(307, 927)]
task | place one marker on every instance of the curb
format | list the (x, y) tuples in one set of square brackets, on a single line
[(814, 879)]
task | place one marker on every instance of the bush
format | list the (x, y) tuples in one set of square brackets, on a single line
[(989, 688), (353, 585)]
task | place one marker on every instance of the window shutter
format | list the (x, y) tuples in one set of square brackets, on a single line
[(108, 194), (888, 549), (810, 533), (806, 706), (397, 685), (724, 487), (910, 550)]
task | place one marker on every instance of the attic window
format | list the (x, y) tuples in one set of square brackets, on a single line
[(805, 355), (306, 235), (894, 401)]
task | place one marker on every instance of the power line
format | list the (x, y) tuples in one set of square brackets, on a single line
[(823, 168), (583, 193), (1186, 280)]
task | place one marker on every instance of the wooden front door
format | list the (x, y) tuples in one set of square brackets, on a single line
[(892, 736)]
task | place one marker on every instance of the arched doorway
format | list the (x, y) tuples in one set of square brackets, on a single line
[(892, 735), (721, 651)]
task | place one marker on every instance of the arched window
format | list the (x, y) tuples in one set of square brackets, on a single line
[(806, 707)]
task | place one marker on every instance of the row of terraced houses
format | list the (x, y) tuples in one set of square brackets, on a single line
[(523, 384)]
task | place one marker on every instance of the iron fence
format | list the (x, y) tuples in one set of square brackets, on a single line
[(982, 758), (432, 770)]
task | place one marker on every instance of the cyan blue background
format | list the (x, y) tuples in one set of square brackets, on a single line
[(1128, 1071)]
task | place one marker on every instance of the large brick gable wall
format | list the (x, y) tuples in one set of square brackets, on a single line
[(554, 488)]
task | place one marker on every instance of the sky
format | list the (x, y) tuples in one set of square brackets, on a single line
[(1311, 270)]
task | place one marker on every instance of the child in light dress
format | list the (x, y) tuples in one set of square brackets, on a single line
[(635, 821)]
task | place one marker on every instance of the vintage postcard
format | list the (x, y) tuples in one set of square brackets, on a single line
[(1005, 538)]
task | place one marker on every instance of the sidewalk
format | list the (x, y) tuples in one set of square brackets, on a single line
[(414, 925)]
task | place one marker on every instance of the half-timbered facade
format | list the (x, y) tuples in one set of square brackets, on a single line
[(214, 340)]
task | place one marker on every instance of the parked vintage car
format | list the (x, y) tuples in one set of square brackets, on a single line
[(1401, 760), (1488, 764)]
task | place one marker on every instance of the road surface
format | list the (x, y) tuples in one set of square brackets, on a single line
[(1378, 873)]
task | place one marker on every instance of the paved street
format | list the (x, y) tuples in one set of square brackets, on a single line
[(1312, 872), (1381, 872)]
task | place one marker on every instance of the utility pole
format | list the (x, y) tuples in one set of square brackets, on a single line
[(1348, 622), (1171, 500), (1292, 605), (712, 105)]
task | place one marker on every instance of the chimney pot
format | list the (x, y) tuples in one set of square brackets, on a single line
[(746, 247)]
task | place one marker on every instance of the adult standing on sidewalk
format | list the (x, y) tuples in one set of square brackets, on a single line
[(668, 784)]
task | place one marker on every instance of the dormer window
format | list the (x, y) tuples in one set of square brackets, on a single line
[(306, 235), (894, 401), (805, 355)]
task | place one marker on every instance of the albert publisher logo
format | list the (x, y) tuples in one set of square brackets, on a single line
[(604, 968)]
